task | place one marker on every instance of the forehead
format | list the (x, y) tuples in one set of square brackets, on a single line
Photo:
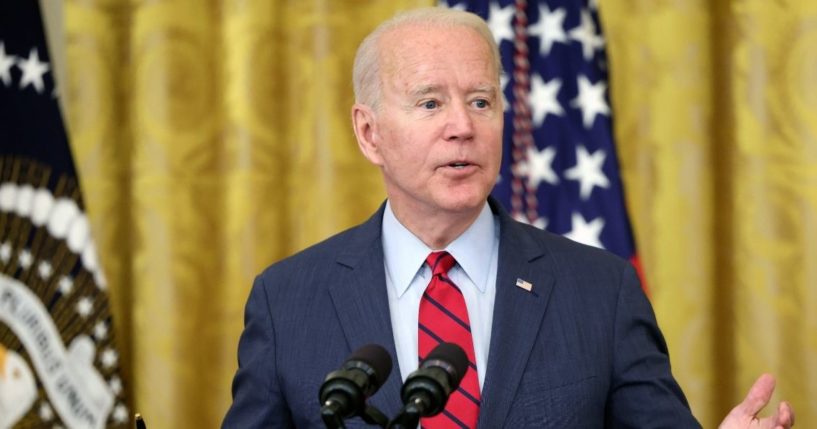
[(417, 52)]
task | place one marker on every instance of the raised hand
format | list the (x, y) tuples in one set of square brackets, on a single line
[(744, 415)]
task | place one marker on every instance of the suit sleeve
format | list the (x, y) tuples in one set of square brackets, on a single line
[(644, 393), (257, 398)]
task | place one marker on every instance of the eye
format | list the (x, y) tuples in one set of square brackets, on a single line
[(430, 104), (481, 103)]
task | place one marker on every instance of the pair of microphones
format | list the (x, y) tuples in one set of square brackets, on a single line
[(344, 392)]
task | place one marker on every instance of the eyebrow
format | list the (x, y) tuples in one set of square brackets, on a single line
[(429, 89), (488, 89), (424, 90)]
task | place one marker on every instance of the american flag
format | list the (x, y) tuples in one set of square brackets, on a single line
[(59, 364), (559, 168)]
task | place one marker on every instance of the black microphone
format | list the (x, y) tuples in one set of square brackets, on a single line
[(344, 392), (426, 390)]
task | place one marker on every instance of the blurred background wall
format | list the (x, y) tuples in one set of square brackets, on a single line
[(213, 138)]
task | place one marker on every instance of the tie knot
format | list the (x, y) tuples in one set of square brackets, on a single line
[(440, 262)]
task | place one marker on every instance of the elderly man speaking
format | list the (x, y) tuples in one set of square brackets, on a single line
[(557, 334)]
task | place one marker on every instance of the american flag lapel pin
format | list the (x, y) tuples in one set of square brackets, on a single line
[(524, 284)]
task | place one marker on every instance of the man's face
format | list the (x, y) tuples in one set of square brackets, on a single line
[(438, 133)]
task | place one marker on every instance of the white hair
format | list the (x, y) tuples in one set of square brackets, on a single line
[(366, 74)]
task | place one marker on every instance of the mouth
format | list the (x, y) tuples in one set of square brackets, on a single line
[(459, 165)]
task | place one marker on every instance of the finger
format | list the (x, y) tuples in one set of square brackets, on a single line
[(758, 396), (782, 419), (785, 415)]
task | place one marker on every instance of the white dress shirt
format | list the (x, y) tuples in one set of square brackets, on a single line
[(476, 251)]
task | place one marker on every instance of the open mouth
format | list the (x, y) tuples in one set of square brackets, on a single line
[(459, 165)]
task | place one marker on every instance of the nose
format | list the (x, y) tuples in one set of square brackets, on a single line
[(459, 125)]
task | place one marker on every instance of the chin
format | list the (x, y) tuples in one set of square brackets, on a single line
[(463, 202)]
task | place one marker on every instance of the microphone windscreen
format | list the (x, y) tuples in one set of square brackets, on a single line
[(453, 354), (376, 357)]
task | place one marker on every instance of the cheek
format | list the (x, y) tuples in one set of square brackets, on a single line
[(492, 143), (396, 156), (401, 148)]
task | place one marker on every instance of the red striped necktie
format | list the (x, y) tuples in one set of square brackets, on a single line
[(444, 318)]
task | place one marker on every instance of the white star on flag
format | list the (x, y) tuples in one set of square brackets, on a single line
[(100, 330), (6, 61), (5, 252), (499, 19), (586, 233), (588, 171), (591, 100), (115, 384), (538, 167), (44, 270), (543, 98), (109, 358), (46, 241), (549, 29), (25, 259), (85, 306), (66, 285), (563, 133), (120, 414), (33, 70), (586, 34)]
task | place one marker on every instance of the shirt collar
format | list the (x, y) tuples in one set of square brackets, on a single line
[(404, 253)]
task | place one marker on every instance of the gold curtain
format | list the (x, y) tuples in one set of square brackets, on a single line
[(715, 106), (213, 138)]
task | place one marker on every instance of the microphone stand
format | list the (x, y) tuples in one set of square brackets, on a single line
[(373, 416), (332, 420), (407, 418), (409, 415)]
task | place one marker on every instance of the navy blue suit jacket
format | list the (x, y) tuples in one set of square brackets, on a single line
[(580, 350)]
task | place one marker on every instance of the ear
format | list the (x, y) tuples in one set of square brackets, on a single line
[(365, 126)]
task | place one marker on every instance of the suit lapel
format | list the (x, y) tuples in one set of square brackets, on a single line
[(361, 302), (517, 318)]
